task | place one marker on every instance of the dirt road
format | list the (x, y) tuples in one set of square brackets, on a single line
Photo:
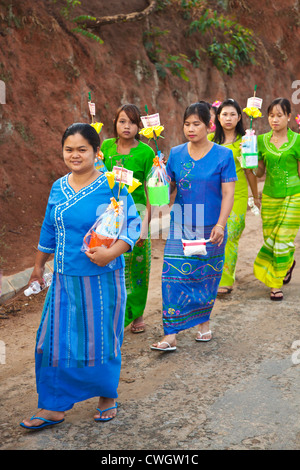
[(239, 391)]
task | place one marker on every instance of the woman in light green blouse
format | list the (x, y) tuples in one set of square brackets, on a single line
[(279, 156), (228, 133)]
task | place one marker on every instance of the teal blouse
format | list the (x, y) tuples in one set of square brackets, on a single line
[(282, 178)]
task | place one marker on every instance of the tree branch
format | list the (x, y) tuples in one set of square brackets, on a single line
[(122, 18)]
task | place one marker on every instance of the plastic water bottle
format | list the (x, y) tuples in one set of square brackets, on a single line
[(253, 207), (35, 287)]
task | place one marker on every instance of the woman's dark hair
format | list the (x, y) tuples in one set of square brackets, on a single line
[(283, 103), (219, 136), (201, 110), (86, 130), (133, 113)]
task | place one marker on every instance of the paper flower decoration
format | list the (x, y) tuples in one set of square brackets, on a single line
[(110, 178), (110, 175), (298, 120), (216, 104), (152, 132), (135, 184), (97, 126), (252, 112)]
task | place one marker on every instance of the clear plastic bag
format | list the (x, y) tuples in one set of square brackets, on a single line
[(107, 227), (249, 154), (158, 182)]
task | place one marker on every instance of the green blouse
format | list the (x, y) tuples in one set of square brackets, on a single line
[(241, 185), (140, 161), (281, 164)]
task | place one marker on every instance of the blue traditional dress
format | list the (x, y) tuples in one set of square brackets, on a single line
[(78, 346), (190, 283)]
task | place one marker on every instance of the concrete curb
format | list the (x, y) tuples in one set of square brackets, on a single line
[(12, 285)]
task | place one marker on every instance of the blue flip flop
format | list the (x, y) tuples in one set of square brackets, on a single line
[(103, 411), (45, 424)]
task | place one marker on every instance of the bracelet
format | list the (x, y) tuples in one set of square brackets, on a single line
[(219, 225)]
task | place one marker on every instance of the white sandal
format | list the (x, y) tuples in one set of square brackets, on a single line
[(203, 334), (169, 348)]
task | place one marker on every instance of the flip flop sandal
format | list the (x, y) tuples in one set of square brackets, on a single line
[(288, 275), (103, 411), (138, 328), (45, 424), (227, 290), (274, 294), (169, 348), (203, 334)]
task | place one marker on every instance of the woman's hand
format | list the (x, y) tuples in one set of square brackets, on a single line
[(37, 275), (257, 202), (102, 256), (217, 235), (99, 255), (39, 268)]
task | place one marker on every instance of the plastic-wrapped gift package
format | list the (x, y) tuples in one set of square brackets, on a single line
[(107, 227), (158, 183), (249, 150)]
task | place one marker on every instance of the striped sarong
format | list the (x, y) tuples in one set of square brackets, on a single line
[(281, 221), (78, 346), (190, 284)]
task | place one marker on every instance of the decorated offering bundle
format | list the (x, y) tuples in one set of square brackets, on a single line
[(249, 149), (249, 140), (107, 227), (158, 183)]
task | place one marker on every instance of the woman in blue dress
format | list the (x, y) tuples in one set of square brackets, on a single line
[(204, 176), (78, 344)]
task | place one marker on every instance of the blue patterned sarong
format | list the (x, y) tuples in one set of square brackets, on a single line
[(189, 283), (78, 347)]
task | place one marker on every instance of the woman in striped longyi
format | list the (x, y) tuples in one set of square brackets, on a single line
[(279, 156)]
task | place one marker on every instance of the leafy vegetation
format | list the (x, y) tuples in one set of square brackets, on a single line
[(235, 45)]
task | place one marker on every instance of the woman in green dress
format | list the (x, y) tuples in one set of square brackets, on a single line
[(127, 151), (279, 156), (229, 132)]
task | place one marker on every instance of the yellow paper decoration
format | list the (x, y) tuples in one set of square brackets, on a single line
[(148, 131), (135, 184), (252, 112), (110, 178), (97, 126)]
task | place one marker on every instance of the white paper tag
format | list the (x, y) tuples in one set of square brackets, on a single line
[(254, 102), (92, 108)]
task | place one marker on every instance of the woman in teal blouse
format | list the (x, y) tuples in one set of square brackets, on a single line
[(279, 156)]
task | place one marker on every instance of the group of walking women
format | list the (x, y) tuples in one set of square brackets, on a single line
[(91, 299)]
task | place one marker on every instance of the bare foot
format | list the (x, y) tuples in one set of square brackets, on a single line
[(104, 404), (46, 414)]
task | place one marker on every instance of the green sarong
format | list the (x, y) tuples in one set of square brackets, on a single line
[(281, 221), (137, 272)]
